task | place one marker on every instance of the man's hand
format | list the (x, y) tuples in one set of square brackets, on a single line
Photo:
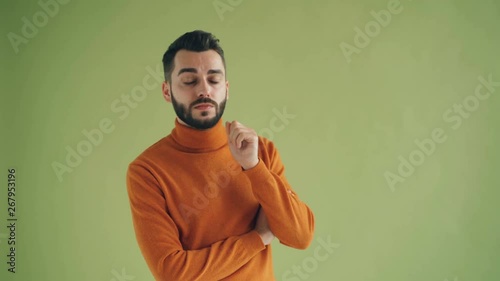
[(263, 229), (243, 144)]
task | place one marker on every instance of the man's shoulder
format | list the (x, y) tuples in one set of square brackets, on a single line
[(155, 150)]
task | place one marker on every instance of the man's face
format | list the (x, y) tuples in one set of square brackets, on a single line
[(198, 89)]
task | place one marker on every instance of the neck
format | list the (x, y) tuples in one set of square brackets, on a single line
[(195, 140), (189, 126)]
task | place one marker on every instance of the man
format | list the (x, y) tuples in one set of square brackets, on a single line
[(208, 199)]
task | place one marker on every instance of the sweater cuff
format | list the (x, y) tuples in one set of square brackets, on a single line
[(258, 173), (253, 242)]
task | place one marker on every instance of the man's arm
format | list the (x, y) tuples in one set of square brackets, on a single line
[(291, 221), (158, 237)]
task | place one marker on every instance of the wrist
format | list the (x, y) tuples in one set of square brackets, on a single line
[(266, 236), (250, 166)]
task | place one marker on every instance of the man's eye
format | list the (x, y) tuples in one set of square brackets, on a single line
[(194, 82)]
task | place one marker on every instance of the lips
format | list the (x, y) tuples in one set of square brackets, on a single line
[(204, 106)]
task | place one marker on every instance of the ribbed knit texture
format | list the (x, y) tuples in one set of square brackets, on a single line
[(194, 208)]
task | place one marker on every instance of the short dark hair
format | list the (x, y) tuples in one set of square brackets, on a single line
[(196, 41)]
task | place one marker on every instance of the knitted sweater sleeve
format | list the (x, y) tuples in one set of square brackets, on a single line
[(290, 219), (158, 237)]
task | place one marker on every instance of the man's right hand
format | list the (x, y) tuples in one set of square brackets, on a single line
[(263, 229)]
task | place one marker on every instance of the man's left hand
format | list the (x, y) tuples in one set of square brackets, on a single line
[(243, 144)]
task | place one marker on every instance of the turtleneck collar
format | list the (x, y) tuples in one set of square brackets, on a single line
[(194, 140)]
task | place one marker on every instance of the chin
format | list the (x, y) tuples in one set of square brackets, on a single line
[(201, 117)]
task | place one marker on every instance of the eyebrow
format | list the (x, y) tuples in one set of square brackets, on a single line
[(193, 70)]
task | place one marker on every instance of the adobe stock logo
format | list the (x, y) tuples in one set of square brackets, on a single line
[(219, 180), (223, 6), (277, 123), (310, 264), (363, 38), (455, 115), (121, 108), (123, 276), (50, 8)]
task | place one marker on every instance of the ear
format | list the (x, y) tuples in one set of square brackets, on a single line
[(227, 89), (165, 88)]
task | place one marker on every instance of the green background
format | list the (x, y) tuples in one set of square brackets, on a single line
[(352, 122)]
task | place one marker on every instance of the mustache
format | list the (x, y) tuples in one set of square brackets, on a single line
[(204, 100)]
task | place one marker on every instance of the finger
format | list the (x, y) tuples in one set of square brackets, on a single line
[(235, 137), (241, 137), (231, 129), (236, 125), (238, 136), (249, 136), (233, 132), (228, 128)]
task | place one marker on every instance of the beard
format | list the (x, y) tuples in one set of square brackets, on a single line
[(185, 113)]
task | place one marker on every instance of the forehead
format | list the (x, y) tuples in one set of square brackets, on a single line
[(201, 61)]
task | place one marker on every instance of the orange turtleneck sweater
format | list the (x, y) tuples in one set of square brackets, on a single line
[(194, 208)]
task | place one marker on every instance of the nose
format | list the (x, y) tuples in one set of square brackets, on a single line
[(204, 89)]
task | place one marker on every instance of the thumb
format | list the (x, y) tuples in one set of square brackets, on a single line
[(228, 128)]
